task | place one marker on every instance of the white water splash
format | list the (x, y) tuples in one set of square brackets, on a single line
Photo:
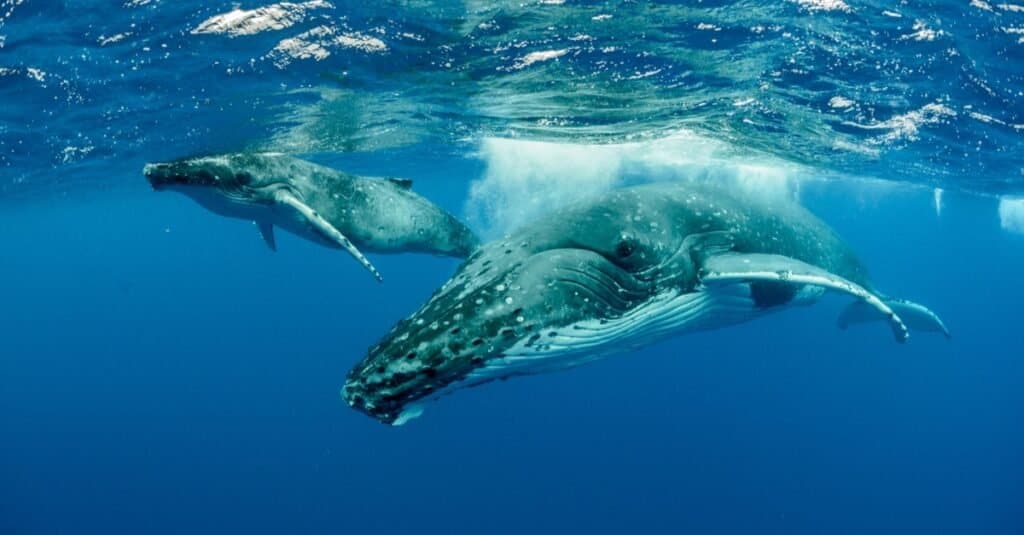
[(1011, 214), (525, 180)]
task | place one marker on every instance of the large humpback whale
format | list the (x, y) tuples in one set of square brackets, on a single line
[(622, 271), (317, 203)]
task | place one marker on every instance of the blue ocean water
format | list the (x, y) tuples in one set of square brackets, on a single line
[(161, 371)]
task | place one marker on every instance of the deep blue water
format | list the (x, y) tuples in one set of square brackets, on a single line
[(161, 371)]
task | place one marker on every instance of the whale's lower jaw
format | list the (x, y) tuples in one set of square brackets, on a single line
[(668, 314)]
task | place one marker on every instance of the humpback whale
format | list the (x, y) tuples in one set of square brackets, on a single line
[(612, 274), (317, 203)]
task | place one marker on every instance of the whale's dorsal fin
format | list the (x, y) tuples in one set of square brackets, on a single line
[(403, 183), (267, 231), (327, 229), (732, 268)]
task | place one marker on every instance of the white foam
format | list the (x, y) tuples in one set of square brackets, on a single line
[(906, 126), (922, 33), (1011, 214), (317, 43), (72, 153), (535, 57), (105, 40), (988, 119), (239, 21), (1016, 31), (840, 102), (35, 74), (7, 8), (824, 5), (524, 180)]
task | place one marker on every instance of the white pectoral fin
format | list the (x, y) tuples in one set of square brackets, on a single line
[(917, 316), (267, 232), (754, 267), (327, 229)]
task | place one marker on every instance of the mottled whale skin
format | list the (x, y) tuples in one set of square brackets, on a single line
[(317, 203), (618, 272)]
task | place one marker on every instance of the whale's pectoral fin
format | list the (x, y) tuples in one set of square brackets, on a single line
[(327, 229), (918, 317), (738, 268), (267, 231)]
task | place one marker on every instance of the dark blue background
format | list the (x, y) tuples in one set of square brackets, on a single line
[(163, 372)]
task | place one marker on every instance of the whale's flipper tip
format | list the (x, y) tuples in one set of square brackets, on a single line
[(328, 230), (918, 317)]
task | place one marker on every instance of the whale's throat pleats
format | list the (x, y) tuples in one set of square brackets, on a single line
[(669, 313)]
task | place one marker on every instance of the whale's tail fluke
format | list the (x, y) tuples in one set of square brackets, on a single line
[(917, 317)]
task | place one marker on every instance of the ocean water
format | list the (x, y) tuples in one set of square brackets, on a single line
[(161, 371)]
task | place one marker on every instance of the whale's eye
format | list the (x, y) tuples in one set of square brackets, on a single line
[(243, 178), (625, 247)]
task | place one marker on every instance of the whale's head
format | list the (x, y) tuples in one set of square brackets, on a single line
[(559, 293), (227, 184)]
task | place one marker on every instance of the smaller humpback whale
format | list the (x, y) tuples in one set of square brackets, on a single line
[(317, 203), (625, 270)]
